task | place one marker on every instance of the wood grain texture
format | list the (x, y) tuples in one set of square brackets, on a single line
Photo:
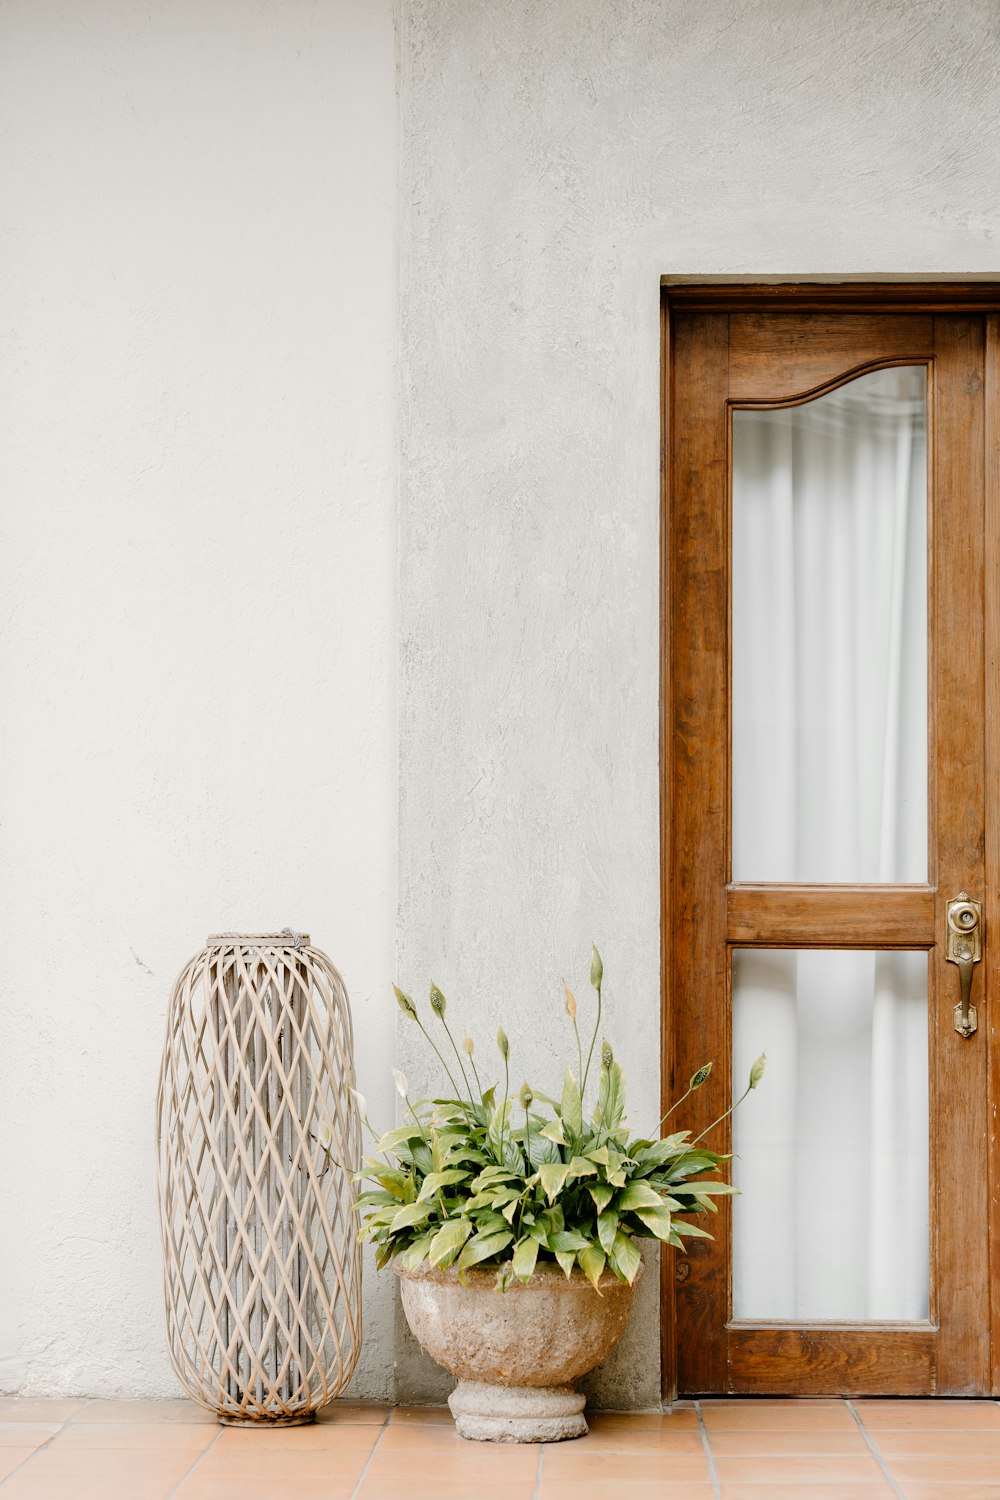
[(958, 1065), (668, 1365), (778, 356), (698, 798), (801, 916), (982, 296), (990, 1009), (824, 1361)]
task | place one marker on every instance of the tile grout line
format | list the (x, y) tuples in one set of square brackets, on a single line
[(538, 1472), (874, 1450), (90, 1401), (51, 1439), (191, 1467), (709, 1455), (381, 1433)]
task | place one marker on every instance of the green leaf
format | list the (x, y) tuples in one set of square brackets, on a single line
[(448, 1241), (572, 1104), (387, 1143), (610, 1097), (657, 1221), (525, 1256), (553, 1131), (581, 1167), (434, 1181), (625, 1258), (488, 1096), (410, 1214), (601, 1193), (499, 1125), (638, 1195), (375, 1199), (607, 1229), (692, 1231), (553, 1175), (399, 1184), (566, 1259), (414, 1255), (567, 1239), (592, 1262), (484, 1246)]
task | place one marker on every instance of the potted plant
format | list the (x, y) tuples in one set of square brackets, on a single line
[(513, 1224)]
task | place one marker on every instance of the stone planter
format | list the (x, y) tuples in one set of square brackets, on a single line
[(516, 1353)]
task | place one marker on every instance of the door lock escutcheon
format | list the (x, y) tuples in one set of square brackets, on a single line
[(964, 947)]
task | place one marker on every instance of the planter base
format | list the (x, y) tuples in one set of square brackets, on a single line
[(517, 1413)]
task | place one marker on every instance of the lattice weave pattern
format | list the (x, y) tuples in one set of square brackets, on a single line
[(262, 1267)]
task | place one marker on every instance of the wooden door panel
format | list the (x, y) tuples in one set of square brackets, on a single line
[(958, 1082), (698, 792), (784, 356), (877, 1360), (803, 916), (719, 359)]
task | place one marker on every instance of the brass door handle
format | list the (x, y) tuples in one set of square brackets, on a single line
[(964, 947)]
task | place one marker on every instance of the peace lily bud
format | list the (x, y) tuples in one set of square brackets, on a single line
[(607, 1056), (438, 1002), (401, 1084), (697, 1079), (525, 1096), (503, 1044), (326, 1135), (360, 1101), (596, 968), (570, 1001), (405, 1004), (467, 1045), (757, 1071)]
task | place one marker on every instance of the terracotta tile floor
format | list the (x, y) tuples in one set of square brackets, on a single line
[(708, 1450)]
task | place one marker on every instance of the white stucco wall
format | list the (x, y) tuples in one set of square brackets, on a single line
[(556, 160), (197, 461), (197, 593)]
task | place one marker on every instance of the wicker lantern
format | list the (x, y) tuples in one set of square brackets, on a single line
[(262, 1266)]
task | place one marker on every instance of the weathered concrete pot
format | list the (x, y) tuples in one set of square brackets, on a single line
[(516, 1353)]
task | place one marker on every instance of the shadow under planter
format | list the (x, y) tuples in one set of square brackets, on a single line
[(517, 1353)]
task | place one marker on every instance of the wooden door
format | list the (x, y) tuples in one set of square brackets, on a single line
[(727, 351)]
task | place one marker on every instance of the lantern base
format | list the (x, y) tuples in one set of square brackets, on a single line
[(296, 1419)]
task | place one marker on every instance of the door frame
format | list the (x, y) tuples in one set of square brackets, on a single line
[(871, 297)]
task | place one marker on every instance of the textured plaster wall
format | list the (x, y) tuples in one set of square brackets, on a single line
[(197, 593), (556, 160)]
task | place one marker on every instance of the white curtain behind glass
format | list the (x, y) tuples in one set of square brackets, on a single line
[(830, 785)]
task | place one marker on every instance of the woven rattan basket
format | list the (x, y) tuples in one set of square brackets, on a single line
[(255, 1130)]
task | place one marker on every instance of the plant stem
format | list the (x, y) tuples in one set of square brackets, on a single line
[(593, 1040), (458, 1057), (722, 1117), (503, 1107), (458, 1092), (670, 1111)]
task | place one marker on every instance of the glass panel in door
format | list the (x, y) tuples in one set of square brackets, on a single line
[(829, 633)]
